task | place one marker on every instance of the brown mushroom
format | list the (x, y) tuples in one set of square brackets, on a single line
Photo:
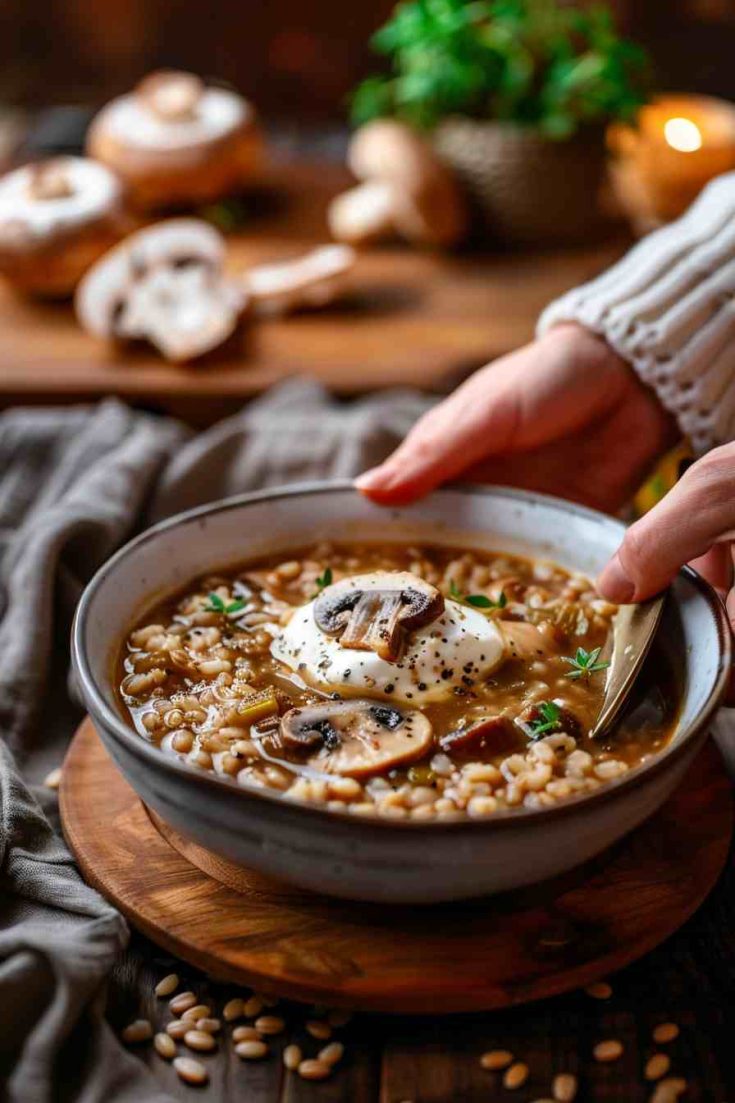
[(535, 717), (407, 190), (376, 612), (490, 736), (355, 737)]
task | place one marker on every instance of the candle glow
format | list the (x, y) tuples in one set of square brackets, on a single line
[(683, 135)]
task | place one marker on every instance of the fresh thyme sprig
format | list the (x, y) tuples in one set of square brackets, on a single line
[(585, 663), (217, 605), (548, 719), (478, 600), (323, 581)]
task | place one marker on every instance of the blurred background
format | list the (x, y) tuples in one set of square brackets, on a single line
[(293, 59)]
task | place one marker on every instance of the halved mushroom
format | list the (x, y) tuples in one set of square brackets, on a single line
[(376, 612), (314, 280), (164, 284), (356, 738)]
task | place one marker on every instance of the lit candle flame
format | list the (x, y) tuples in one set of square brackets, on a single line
[(683, 134)]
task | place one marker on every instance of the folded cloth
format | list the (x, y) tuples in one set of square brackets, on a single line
[(74, 484)]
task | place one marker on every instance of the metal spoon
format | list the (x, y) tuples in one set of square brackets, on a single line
[(627, 646)]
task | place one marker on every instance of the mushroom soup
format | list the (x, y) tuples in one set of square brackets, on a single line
[(422, 682)]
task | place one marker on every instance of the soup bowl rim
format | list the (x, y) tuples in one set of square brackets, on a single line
[(148, 753)]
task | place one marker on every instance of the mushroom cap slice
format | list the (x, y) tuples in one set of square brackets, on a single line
[(313, 280), (375, 612), (356, 738)]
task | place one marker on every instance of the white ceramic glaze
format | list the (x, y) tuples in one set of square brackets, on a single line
[(362, 858)]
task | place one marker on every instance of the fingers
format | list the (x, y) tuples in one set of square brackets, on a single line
[(547, 389), (477, 420), (698, 513)]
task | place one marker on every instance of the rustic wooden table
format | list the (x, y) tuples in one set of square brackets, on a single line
[(435, 1059), (688, 980), (413, 319)]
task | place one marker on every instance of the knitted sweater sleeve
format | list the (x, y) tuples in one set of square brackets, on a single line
[(668, 308)]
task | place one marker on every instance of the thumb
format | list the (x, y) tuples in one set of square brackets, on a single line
[(698, 513)]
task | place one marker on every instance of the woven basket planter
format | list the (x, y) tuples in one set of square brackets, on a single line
[(527, 190)]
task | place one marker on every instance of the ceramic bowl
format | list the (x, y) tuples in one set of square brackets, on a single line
[(387, 860)]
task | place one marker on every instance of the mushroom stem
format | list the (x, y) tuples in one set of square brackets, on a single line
[(374, 625), (364, 214)]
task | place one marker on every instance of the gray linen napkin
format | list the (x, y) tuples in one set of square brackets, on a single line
[(73, 485)]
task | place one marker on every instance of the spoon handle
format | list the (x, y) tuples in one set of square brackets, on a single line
[(633, 630)]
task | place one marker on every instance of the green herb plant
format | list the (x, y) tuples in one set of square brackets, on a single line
[(323, 581), (478, 600), (585, 663), (554, 67), (217, 605), (547, 720)]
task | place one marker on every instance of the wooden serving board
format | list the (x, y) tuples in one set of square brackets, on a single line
[(483, 954), (412, 319)]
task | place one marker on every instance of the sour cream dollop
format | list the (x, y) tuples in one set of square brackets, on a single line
[(458, 649)]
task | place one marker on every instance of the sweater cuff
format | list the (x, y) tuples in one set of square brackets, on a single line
[(668, 308)]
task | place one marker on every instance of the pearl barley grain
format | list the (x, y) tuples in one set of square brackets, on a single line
[(232, 1010), (245, 1034), (516, 1076), (251, 1051), (564, 1087), (657, 1066), (314, 1070), (167, 986), (319, 1029), (138, 1031), (609, 1050), (665, 1032), (200, 1041), (496, 1059), (191, 1071), (600, 990), (252, 1007), (331, 1053), (182, 1002), (165, 1046), (177, 1029), (669, 1090), (269, 1024), (292, 1057)]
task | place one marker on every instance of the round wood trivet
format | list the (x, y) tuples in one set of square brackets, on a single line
[(481, 954)]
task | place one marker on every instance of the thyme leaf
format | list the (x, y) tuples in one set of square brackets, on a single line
[(217, 605), (585, 663), (548, 719), (479, 601), (323, 581)]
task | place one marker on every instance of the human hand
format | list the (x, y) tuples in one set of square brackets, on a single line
[(564, 415), (694, 523)]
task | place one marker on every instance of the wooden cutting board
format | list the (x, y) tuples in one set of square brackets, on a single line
[(413, 319), (239, 926)]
